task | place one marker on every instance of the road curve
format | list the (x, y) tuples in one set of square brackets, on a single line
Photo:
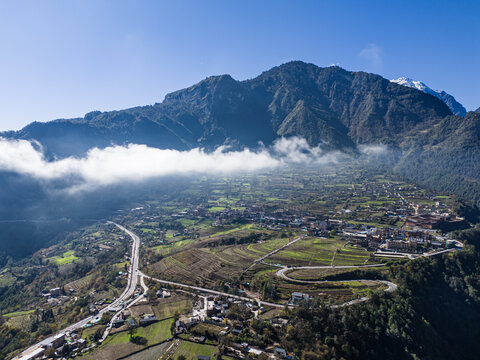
[(391, 287)]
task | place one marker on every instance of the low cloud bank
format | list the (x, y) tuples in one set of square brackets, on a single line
[(132, 163)]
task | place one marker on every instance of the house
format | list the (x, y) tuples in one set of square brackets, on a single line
[(203, 357), (55, 292), (179, 327), (147, 320), (56, 342), (201, 339), (117, 323), (400, 245), (81, 343), (163, 293), (131, 322), (298, 296), (255, 352)]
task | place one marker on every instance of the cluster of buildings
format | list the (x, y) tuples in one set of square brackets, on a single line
[(63, 344), (389, 239)]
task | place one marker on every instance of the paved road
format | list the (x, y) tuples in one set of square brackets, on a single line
[(390, 285), (127, 293)]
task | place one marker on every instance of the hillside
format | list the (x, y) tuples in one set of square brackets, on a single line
[(445, 157)]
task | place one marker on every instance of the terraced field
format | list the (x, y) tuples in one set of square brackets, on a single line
[(320, 251), (207, 265), (79, 284), (174, 247)]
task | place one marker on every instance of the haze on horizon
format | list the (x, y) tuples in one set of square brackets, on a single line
[(62, 60)]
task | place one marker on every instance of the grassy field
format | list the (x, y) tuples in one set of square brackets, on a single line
[(371, 224), (202, 328), (66, 258), (216, 208), (173, 247), (119, 345), (156, 332), (192, 350), (153, 353), (230, 231), (320, 251), (18, 313)]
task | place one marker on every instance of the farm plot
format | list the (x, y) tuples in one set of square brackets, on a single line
[(80, 284), (177, 246), (204, 266), (66, 258), (319, 252), (119, 345), (193, 266), (310, 251), (153, 353), (166, 308), (191, 350)]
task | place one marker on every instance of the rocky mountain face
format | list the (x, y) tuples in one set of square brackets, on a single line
[(449, 100), (330, 106)]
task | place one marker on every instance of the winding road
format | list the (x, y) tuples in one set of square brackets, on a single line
[(126, 299), (391, 287), (117, 304)]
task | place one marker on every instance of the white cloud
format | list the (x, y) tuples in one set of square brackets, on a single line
[(373, 53), (120, 164)]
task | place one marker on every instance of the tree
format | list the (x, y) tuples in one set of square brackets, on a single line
[(139, 340)]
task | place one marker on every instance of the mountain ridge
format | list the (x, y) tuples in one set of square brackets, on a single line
[(336, 108), (452, 103)]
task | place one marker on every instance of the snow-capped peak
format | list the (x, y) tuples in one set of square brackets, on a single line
[(448, 99), (413, 84)]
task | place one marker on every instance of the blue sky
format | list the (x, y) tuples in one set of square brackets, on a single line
[(66, 58)]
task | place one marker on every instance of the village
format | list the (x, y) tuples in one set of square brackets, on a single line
[(224, 266)]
